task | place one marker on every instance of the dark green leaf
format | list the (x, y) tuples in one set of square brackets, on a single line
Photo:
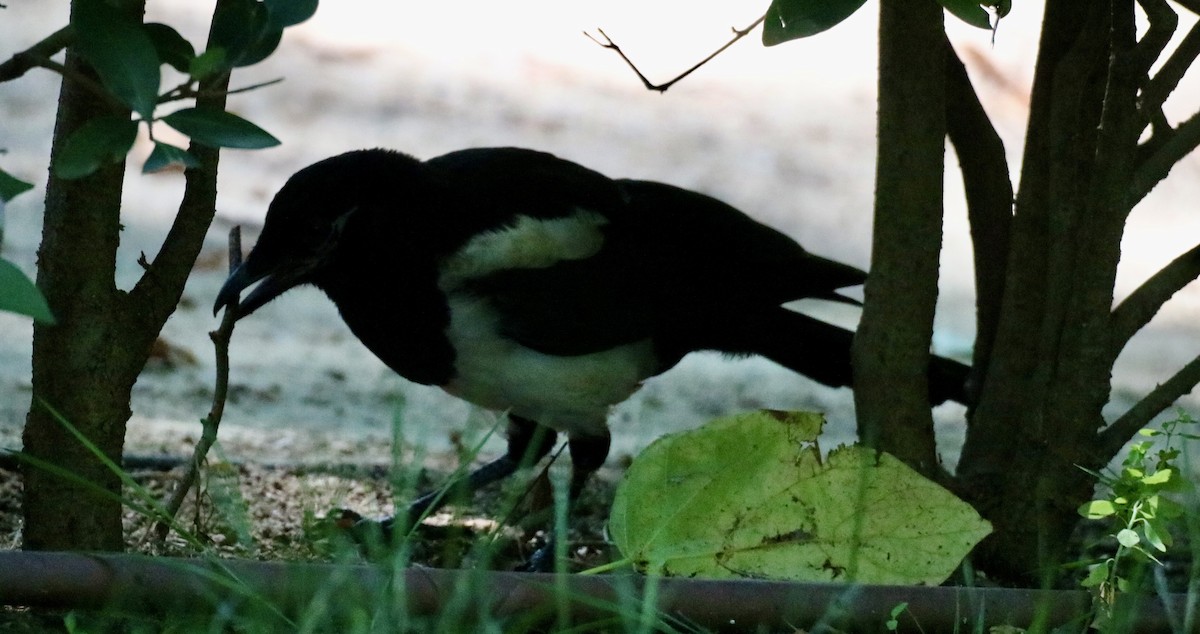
[(19, 295), (1157, 535), (262, 47), (969, 11), (99, 141), (285, 13), (172, 49), (243, 29), (1097, 575), (11, 187), (121, 52), (793, 19), (219, 129), (207, 63), (165, 155), (1128, 537)]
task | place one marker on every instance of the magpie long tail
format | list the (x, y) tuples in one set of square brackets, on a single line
[(822, 352)]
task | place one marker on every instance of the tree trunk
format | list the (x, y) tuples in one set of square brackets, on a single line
[(1048, 379), (891, 349), (84, 367), (81, 364)]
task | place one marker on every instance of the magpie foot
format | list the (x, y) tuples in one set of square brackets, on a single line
[(373, 537), (542, 559)]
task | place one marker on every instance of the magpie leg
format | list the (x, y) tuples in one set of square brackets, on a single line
[(588, 454), (528, 442)]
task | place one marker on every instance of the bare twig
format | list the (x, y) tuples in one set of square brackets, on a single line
[(185, 91), (23, 62), (91, 85), (1113, 437), (609, 44), (176, 92), (1140, 307), (38, 56), (220, 338)]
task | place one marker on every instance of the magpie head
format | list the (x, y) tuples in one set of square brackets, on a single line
[(307, 221)]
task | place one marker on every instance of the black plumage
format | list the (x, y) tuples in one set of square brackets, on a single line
[(523, 282)]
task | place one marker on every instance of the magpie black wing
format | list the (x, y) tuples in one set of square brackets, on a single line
[(675, 266), (575, 307), (718, 253)]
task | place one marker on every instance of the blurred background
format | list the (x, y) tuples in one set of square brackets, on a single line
[(784, 133)]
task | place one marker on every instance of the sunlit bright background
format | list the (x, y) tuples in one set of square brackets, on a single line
[(785, 133)]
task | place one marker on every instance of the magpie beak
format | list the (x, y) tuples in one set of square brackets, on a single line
[(272, 282)]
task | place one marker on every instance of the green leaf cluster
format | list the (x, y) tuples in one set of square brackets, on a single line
[(1138, 507), (793, 19), (128, 55), (749, 496)]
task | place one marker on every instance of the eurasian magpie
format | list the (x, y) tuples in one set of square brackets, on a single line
[(529, 284)]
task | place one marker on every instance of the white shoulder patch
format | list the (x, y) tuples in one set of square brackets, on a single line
[(528, 243)]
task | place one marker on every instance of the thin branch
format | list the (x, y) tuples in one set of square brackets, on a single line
[(1140, 307), (1165, 147), (609, 44), (23, 62), (1190, 5), (1158, 163), (177, 92), (1113, 437), (261, 84), (989, 194), (1163, 22), (185, 91), (1172, 71), (91, 85), (156, 294), (220, 338)]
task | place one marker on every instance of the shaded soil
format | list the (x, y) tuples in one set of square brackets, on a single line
[(288, 511)]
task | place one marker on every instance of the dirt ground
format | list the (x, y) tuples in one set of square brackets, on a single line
[(784, 133)]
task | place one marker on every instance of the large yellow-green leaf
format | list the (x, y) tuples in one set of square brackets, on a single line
[(749, 496)]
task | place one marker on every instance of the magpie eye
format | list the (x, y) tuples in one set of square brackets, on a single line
[(339, 223)]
